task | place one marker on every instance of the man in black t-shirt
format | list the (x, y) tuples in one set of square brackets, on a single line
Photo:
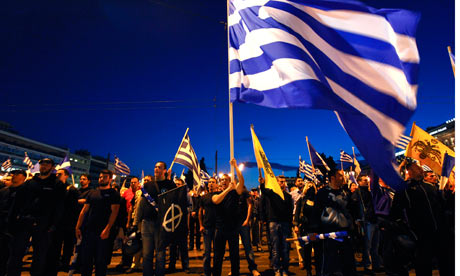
[(227, 223), (207, 219), (101, 210)]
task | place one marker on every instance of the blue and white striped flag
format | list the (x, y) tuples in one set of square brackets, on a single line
[(306, 169), (65, 164), (345, 157), (186, 156), (7, 164), (403, 141), (204, 178), (341, 56), (121, 167), (27, 161)]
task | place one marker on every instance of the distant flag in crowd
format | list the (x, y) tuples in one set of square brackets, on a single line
[(121, 167), (345, 157), (262, 162), (186, 156), (35, 168), (452, 59), (204, 178), (352, 177), (65, 164), (426, 168), (316, 158), (27, 161), (7, 164), (306, 169), (403, 141), (323, 55)]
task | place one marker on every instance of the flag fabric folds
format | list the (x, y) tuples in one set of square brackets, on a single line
[(345, 157), (341, 56), (173, 215), (121, 167), (262, 162), (65, 164), (427, 149), (27, 161), (7, 164), (204, 178), (403, 141), (186, 156), (316, 158), (447, 165)]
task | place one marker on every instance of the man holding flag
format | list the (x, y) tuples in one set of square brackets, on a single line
[(147, 213), (227, 222)]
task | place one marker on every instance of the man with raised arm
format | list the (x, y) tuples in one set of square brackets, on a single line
[(227, 223)]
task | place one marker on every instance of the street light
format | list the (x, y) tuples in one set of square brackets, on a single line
[(241, 167)]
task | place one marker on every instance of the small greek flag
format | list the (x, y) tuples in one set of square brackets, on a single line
[(403, 141), (121, 167), (27, 161), (345, 157), (65, 164), (7, 164)]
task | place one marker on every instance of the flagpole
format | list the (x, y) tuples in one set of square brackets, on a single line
[(174, 160), (341, 164), (73, 180), (451, 61), (309, 154), (230, 104)]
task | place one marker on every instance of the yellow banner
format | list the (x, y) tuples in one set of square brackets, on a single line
[(427, 149), (262, 162)]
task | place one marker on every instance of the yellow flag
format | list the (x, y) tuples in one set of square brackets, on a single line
[(262, 162), (427, 149)]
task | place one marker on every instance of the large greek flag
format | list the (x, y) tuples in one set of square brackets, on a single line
[(186, 156), (337, 55)]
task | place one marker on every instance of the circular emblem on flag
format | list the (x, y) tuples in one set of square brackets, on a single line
[(172, 218)]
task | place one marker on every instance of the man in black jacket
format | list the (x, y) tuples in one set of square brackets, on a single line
[(39, 209), (421, 204), (367, 221), (332, 214), (151, 224), (279, 218)]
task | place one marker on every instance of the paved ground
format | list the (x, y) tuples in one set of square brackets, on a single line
[(196, 265)]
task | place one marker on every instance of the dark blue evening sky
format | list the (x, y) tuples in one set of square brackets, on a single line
[(128, 77)]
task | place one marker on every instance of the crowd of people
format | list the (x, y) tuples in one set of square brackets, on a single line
[(325, 225)]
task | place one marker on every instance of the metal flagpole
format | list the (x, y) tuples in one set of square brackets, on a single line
[(174, 160), (309, 153), (230, 104), (451, 61)]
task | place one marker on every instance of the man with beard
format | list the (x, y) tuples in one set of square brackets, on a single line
[(101, 210), (37, 211), (84, 189), (151, 224)]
